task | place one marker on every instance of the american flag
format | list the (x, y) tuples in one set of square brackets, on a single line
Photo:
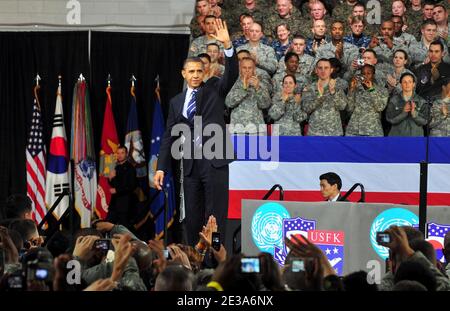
[(435, 235), (35, 154), (292, 226)]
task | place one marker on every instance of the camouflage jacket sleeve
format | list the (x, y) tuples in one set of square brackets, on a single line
[(394, 110), (267, 60), (310, 101), (299, 115), (422, 112), (278, 107), (379, 97), (262, 97), (351, 100), (340, 99), (437, 116), (194, 48), (236, 95)]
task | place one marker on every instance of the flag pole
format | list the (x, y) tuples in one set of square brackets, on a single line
[(36, 88)]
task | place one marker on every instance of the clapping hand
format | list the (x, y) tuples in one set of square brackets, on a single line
[(407, 107), (332, 86)]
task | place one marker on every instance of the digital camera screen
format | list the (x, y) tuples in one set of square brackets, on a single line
[(250, 265)]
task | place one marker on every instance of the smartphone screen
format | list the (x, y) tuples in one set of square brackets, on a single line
[(215, 243), (298, 265), (102, 244), (250, 265)]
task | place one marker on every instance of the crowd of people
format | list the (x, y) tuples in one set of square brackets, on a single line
[(109, 257), (328, 68)]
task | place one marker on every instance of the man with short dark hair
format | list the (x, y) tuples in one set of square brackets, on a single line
[(19, 206), (337, 47), (205, 172), (431, 76), (174, 278), (440, 16), (123, 183), (199, 44), (419, 51), (330, 187), (403, 38), (323, 101), (385, 45)]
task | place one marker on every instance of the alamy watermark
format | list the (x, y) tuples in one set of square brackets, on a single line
[(73, 17), (212, 142)]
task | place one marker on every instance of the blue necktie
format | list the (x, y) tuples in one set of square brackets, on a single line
[(190, 111)]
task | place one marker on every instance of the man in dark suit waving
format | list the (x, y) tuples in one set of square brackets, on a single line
[(192, 114)]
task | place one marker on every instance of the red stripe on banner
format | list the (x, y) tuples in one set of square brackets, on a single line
[(39, 187), (235, 197)]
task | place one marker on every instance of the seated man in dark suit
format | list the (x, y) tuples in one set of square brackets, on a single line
[(432, 75), (330, 187), (205, 165)]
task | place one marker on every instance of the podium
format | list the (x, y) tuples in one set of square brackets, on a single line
[(344, 231)]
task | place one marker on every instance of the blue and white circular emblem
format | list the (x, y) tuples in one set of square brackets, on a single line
[(390, 217), (267, 226)]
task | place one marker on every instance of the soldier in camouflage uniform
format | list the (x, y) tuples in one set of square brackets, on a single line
[(370, 57), (385, 45), (407, 111), (213, 50), (419, 51), (316, 13), (440, 114), (247, 98), (306, 62), (292, 62), (366, 101), (322, 101), (402, 38), (240, 38), (343, 51), (203, 8), (371, 27), (343, 10), (286, 109), (264, 55), (286, 14), (263, 76), (414, 18), (440, 16), (398, 69), (257, 9), (199, 45)]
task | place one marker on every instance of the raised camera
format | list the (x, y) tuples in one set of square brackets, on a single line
[(383, 238), (250, 265)]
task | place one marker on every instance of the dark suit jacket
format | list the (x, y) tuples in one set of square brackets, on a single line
[(210, 106), (423, 80)]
